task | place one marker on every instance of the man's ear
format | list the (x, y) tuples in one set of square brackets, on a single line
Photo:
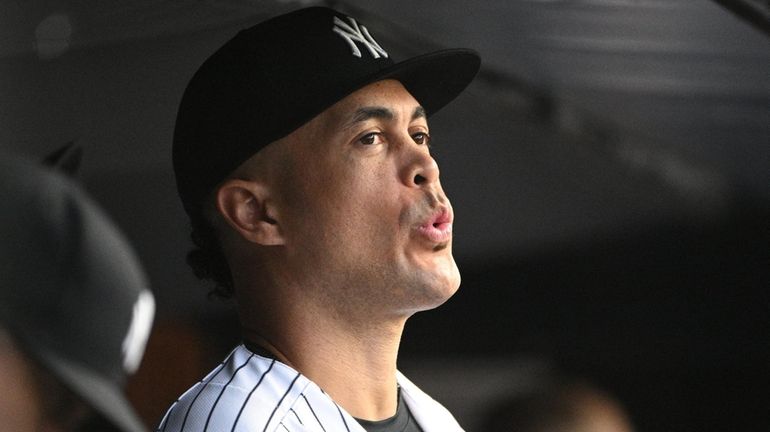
[(246, 207)]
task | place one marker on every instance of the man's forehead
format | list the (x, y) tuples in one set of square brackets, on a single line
[(386, 100)]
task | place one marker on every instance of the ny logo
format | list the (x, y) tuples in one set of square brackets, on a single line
[(354, 32)]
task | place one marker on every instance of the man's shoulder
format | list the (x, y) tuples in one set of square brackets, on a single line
[(249, 392)]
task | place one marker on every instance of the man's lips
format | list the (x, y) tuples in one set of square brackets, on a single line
[(438, 227)]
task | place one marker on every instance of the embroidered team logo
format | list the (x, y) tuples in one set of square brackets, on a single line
[(353, 33), (138, 331)]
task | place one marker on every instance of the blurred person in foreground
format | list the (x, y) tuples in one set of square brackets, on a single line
[(574, 406), (75, 308)]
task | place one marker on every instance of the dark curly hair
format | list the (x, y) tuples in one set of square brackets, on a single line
[(207, 260)]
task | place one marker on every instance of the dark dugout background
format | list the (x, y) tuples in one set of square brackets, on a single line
[(609, 168)]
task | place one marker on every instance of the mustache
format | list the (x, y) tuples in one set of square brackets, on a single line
[(431, 206)]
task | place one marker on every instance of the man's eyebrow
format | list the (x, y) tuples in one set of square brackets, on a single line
[(365, 113), (419, 112)]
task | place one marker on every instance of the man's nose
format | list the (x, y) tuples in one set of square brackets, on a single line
[(420, 169)]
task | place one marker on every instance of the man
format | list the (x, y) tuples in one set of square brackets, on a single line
[(75, 310), (301, 153)]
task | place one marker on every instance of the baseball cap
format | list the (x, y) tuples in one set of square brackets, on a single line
[(72, 293), (272, 78)]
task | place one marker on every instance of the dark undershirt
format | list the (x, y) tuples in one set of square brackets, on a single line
[(402, 421)]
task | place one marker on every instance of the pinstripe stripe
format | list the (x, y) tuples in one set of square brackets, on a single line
[(203, 386), (281, 401), (238, 417), (342, 417), (314, 414), (164, 422), (219, 396), (297, 416), (339, 410)]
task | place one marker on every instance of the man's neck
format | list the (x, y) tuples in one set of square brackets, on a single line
[(355, 364)]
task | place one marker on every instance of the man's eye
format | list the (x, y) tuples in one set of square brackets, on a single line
[(369, 139), (421, 138)]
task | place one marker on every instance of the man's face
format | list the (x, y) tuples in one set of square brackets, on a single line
[(364, 217)]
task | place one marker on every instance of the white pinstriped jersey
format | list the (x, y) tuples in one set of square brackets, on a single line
[(251, 393)]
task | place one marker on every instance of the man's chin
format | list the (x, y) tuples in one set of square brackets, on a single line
[(442, 286)]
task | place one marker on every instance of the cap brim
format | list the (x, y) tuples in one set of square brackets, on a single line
[(98, 392), (434, 79)]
